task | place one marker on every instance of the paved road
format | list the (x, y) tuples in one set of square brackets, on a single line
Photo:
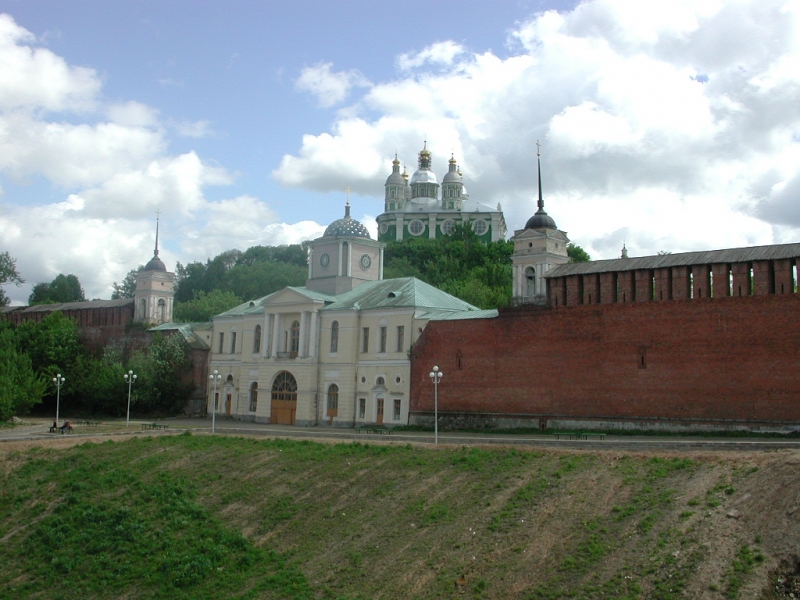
[(39, 430)]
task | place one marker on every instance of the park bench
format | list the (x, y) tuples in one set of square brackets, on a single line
[(568, 435), (88, 423), (374, 430), (154, 426), (60, 430), (593, 436)]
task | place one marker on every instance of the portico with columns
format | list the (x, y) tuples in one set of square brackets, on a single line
[(334, 352)]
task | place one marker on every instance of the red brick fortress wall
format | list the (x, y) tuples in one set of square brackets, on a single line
[(723, 360)]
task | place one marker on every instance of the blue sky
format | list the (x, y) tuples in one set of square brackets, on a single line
[(667, 125)]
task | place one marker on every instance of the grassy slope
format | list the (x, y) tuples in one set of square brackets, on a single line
[(201, 517)]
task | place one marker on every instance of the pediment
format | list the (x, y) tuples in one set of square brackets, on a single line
[(290, 296)]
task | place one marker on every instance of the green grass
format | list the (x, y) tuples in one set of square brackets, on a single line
[(202, 517)]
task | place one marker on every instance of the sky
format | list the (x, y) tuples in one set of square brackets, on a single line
[(664, 125)]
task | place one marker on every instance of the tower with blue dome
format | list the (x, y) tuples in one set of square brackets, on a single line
[(345, 256)]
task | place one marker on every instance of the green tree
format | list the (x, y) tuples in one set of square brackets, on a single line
[(204, 306), (64, 288), (127, 289), (20, 387), (8, 274), (577, 254), (52, 343), (164, 382)]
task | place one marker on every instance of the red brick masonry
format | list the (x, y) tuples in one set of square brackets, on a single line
[(708, 360)]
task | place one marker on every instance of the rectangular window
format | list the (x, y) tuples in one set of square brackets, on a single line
[(221, 342), (233, 342), (400, 334), (396, 414), (382, 345), (365, 340), (216, 401), (362, 408)]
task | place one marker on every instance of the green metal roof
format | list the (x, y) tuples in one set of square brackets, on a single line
[(396, 293), (187, 330), (434, 315), (256, 307)]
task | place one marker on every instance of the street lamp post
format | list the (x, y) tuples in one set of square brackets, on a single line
[(436, 377), (58, 380), (130, 378), (215, 377)]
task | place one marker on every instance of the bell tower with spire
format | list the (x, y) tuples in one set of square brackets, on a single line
[(537, 248), (155, 290)]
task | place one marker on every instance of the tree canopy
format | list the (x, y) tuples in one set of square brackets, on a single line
[(204, 306), (458, 264), (8, 274), (127, 289), (577, 254), (256, 272), (64, 288)]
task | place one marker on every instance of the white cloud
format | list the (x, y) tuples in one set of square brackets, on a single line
[(36, 78), (677, 122), (328, 86), (440, 53), (133, 114), (112, 164), (194, 129)]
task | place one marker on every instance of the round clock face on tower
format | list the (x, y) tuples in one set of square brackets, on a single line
[(324, 260), (365, 261)]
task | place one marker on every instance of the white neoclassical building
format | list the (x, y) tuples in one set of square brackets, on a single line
[(334, 352)]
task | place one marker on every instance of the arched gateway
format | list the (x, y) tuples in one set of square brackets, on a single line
[(284, 399)]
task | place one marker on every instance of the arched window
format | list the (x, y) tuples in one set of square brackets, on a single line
[(334, 337), (333, 400), (294, 338), (284, 388), (142, 309), (253, 396), (530, 281), (380, 381), (257, 339), (162, 311)]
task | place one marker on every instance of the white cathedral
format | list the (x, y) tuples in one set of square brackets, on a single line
[(422, 207), (335, 351)]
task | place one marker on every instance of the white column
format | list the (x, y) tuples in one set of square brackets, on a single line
[(266, 336), (398, 228), (310, 260), (380, 264), (303, 334), (313, 335), (339, 262), (276, 325), (349, 260)]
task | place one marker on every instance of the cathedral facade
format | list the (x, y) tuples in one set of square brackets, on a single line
[(422, 207), (333, 352)]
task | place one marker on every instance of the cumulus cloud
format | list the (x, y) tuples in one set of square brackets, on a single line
[(112, 166), (672, 124), (438, 54), (35, 78), (328, 86)]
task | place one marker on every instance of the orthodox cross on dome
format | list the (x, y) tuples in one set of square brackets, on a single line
[(347, 204)]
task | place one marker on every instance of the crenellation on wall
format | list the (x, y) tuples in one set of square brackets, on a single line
[(727, 363), (626, 286), (741, 278), (701, 281), (784, 276), (763, 277), (643, 280)]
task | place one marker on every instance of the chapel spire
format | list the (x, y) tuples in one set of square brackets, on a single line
[(541, 219)]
